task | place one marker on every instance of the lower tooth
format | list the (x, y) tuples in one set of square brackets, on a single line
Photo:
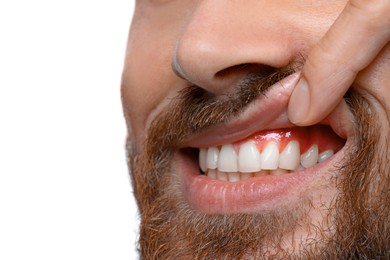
[(222, 176), (233, 176), (212, 174), (261, 173), (246, 175), (279, 171)]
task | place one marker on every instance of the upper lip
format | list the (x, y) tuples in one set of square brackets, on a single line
[(267, 112)]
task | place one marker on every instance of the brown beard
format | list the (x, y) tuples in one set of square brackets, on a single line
[(359, 217)]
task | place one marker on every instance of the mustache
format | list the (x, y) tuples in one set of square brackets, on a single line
[(191, 111), (195, 109)]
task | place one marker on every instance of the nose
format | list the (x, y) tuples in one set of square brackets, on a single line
[(224, 40)]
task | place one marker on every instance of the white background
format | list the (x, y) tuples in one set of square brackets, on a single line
[(64, 187)]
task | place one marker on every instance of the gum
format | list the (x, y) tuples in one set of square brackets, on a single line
[(321, 135)]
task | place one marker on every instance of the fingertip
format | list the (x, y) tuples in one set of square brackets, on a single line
[(299, 103)]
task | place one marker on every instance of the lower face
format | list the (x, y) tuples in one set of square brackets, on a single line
[(228, 176)]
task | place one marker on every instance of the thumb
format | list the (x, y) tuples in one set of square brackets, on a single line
[(351, 44)]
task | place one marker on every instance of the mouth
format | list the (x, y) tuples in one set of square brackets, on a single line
[(259, 161), (269, 153)]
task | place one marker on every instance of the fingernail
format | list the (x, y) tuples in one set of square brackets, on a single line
[(299, 102)]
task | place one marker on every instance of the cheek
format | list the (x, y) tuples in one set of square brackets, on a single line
[(145, 84), (142, 83), (375, 82), (375, 79), (147, 77)]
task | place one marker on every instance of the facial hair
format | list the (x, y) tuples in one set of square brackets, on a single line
[(358, 217)]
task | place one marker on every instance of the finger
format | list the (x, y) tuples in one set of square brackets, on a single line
[(352, 42)]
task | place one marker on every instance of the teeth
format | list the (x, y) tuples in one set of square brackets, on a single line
[(325, 155), (249, 158), (227, 159), (310, 157), (212, 158), (278, 171), (226, 165), (237, 176), (261, 173), (212, 174), (289, 159), (246, 175), (234, 176), (222, 176), (270, 156), (203, 159)]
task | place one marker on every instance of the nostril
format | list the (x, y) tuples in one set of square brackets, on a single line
[(246, 68), (232, 69)]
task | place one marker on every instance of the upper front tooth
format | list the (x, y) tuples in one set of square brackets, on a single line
[(203, 159), (249, 158), (289, 159), (227, 159), (270, 156), (212, 157), (310, 157)]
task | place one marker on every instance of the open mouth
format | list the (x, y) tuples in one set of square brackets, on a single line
[(259, 161), (270, 153)]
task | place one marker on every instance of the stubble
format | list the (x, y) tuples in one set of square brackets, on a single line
[(357, 220)]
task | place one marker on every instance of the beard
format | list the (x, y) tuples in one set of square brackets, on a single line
[(356, 223)]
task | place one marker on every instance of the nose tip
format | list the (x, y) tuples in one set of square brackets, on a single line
[(219, 42), (199, 65)]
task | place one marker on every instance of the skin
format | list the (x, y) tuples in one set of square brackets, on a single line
[(173, 44)]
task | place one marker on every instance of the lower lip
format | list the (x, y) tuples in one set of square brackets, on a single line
[(257, 194)]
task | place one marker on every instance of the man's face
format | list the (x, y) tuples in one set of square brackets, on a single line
[(218, 170)]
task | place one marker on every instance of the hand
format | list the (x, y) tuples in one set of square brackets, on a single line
[(350, 45)]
